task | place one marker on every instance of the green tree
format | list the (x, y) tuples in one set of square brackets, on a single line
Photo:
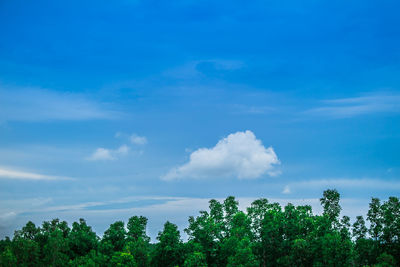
[(330, 204), (334, 251), (137, 240), (391, 227), (140, 251), (272, 238), (385, 260), (114, 236), (53, 241), (24, 245), (375, 217), (359, 228), (82, 239), (7, 258), (237, 248), (137, 228), (256, 212), (26, 251), (56, 249), (195, 259), (169, 251), (92, 259), (29, 231), (364, 253), (243, 255), (124, 259), (266, 235), (231, 207), (345, 227), (208, 231), (300, 253), (363, 247)]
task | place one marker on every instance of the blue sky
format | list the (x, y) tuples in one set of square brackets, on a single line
[(109, 110)]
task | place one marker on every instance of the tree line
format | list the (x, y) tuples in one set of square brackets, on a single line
[(265, 235)]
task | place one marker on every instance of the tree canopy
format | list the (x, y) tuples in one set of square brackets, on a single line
[(266, 234)]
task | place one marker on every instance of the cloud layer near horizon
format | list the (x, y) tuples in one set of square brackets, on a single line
[(239, 155)]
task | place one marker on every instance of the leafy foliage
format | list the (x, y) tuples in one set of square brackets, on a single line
[(265, 235)]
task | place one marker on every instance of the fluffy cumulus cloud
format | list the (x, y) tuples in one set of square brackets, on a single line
[(108, 154), (239, 155)]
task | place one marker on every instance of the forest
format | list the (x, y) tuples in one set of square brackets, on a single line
[(266, 234)]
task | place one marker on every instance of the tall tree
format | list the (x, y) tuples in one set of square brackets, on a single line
[(137, 228), (375, 217), (169, 251), (359, 228), (256, 213), (53, 239), (237, 247), (272, 234), (208, 231), (391, 227), (82, 239), (115, 236), (330, 204), (56, 249)]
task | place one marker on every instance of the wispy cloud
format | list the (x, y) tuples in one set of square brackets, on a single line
[(238, 155), (363, 183), (36, 104), (286, 190), (108, 154), (6, 173), (243, 109), (104, 154), (138, 140), (356, 106), (198, 68)]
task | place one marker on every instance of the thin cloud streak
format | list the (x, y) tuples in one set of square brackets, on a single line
[(22, 175), (357, 106), (37, 104), (343, 183)]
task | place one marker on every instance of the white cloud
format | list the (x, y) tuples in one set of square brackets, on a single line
[(22, 175), (197, 68), (286, 190), (37, 104), (101, 154), (239, 155), (108, 154), (246, 109), (138, 140), (356, 106), (123, 149)]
